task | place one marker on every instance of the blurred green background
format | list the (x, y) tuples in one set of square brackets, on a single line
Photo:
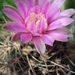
[(2, 15), (2, 3)]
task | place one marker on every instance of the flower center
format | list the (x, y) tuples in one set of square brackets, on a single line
[(35, 18)]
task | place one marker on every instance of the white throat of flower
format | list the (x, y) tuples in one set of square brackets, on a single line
[(35, 18)]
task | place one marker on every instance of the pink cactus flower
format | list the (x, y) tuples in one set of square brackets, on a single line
[(39, 21)]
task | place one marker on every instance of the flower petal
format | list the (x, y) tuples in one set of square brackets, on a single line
[(60, 34), (22, 9), (41, 26), (61, 31), (39, 44), (57, 3), (67, 13), (12, 14), (32, 26), (32, 29), (53, 14), (14, 27), (17, 37), (60, 37), (65, 21), (54, 25), (11, 7), (40, 2), (25, 38), (35, 9), (16, 1), (9, 27), (45, 7), (34, 33), (19, 27), (47, 39), (29, 3)]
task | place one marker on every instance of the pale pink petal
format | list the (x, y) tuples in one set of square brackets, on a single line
[(22, 9), (60, 34), (51, 1), (64, 31), (12, 14), (34, 33), (67, 13), (57, 3), (45, 7), (33, 30), (47, 39), (39, 44), (9, 27), (54, 25), (32, 26), (61, 31), (41, 26), (70, 35), (29, 3), (17, 37), (40, 2), (65, 21), (19, 27), (53, 14), (27, 22), (16, 1), (35, 9), (14, 27), (25, 38), (59, 37), (11, 7)]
